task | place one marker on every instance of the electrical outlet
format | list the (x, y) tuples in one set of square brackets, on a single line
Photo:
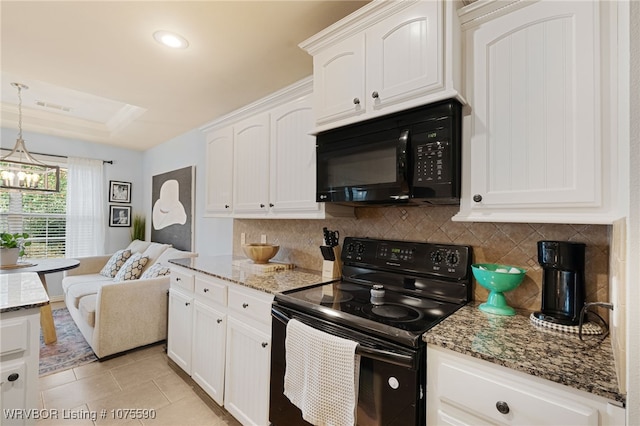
[(243, 238), (263, 238)]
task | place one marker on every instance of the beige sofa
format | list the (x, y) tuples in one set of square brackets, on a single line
[(115, 316)]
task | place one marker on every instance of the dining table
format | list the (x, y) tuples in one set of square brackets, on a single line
[(43, 267)]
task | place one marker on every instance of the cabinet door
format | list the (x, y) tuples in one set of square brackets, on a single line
[(14, 392), (339, 80), (247, 373), (405, 55), (209, 339), (219, 184), (293, 158), (535, 129), (251, 165), (179, 329)]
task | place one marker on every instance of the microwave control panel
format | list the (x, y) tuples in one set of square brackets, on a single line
[(432, 158)]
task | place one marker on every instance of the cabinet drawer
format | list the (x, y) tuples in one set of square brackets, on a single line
[(477, 391), (251, 303), (14, 336), (211, 290), (181, 279)]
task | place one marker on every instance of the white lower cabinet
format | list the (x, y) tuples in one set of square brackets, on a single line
[(19, 355), (209, 336), (462, 390), (220, 334), (248, 369)]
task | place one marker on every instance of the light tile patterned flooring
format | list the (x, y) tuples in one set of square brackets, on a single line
[(141, 379)]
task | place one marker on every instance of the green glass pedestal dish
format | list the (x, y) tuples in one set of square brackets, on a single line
[(497, 279)]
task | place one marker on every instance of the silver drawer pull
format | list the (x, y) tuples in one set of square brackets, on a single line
[(245, 305)]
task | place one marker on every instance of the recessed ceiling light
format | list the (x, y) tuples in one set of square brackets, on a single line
[(170, 39)]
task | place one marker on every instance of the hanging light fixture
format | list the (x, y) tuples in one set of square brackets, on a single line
[(19, 170)]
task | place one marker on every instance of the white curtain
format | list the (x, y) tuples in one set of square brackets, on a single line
[(85, 208)]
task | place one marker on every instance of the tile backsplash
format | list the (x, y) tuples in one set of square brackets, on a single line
[(509, 243)]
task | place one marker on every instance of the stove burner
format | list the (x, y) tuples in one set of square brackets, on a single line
[(393, 311), (317, 296)]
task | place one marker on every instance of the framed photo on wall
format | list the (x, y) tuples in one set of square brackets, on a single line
[(120, 216), (119, 192)]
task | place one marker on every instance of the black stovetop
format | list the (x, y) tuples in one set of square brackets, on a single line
[(393, 289)]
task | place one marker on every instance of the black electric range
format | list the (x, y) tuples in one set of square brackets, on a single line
[(391, 292)]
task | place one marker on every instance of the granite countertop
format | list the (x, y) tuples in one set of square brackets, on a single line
[(515, 342), (270, 282), (21, 291)]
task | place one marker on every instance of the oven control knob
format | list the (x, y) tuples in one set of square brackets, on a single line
[(436, 256), (453, 258), (393, 383), (350, 248)]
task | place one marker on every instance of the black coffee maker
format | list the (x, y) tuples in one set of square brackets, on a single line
[(563, 291)]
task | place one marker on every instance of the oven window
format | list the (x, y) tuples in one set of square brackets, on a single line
[(376, 165)]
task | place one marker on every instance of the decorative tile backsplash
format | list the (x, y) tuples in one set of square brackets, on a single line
[(508, 243)]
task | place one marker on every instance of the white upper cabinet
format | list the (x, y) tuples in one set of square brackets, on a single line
[(535, 145), (383, 58), (293, 156), (339, 80), (251, 165), (261, 160), (219, 188)]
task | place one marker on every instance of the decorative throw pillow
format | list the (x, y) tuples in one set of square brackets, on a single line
[(115, 263), (132, 269), (154, 271)]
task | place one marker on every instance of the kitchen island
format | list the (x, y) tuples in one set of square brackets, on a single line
[(584, 368), (21, 297)]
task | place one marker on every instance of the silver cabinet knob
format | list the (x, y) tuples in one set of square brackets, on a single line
[(245, 305), (477, 198), (219, 320), (264, 344), (375, 95), (206, 290), (356, 101)]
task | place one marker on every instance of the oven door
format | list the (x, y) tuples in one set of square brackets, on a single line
[(391, 384), (365, 168)]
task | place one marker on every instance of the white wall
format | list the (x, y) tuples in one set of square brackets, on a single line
[(213, 236)]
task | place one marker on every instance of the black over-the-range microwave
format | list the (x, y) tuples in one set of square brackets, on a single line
[(407, 157)]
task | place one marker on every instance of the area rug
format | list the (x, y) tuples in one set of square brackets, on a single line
[(71, 349)]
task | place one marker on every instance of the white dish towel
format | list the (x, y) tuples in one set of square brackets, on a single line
[(321, 375)]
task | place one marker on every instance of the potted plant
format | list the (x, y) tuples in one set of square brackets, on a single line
[(138, 227), (12, 247)]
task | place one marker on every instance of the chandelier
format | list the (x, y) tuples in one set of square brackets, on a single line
[(19, 170)]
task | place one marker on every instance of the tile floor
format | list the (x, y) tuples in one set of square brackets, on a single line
[(141, 379)]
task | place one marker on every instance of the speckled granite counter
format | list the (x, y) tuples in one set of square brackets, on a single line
[(21, 291), (269, 282), (516, 343)]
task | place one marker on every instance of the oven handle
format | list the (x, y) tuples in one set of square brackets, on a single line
[(367, 352)]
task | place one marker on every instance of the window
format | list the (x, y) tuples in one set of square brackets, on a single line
[(41, 215)]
